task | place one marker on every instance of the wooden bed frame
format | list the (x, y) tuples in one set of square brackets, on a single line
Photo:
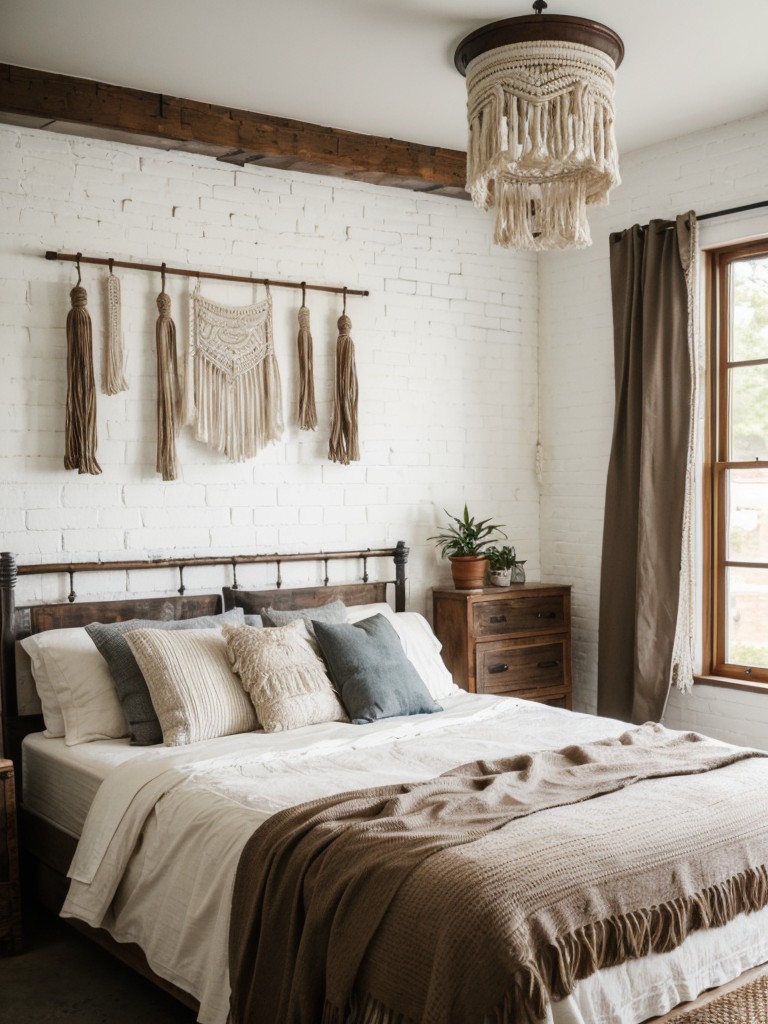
[(47, 851)]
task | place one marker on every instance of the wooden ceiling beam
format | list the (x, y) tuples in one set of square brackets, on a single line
[(79, 106)]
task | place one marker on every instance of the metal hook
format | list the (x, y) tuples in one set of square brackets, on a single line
[(266, 283), (344, 307), (72, 595), (77, 264), (303, 293), (234, 575), (182, 588), (111, 264), (162, 276)]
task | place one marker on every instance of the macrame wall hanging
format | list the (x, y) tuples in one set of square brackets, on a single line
[(307, 410), (80, 429), (169, 405), (343, 445), (233, 395), (114, 357)]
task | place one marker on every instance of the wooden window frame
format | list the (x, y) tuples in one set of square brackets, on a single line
[(716, 465)]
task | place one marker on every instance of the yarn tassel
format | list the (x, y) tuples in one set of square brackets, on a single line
[(168, 389), (307, 410), (343, 445), (80, 442), (114, 359)]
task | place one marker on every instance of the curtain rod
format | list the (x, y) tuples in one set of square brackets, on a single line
[(159, 268), (733, 209)]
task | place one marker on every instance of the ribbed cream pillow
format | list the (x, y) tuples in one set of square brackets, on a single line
[(194, 691), (283, 676)]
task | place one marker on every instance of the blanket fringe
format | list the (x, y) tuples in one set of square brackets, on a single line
[(605, 943), (659, 929)]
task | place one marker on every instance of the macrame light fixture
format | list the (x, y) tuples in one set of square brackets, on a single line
[(540, 92)]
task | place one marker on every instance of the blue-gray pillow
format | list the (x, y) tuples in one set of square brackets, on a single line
[(332, 611), (369, 668), (132, 690)]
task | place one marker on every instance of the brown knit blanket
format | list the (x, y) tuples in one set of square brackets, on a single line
[(482, 893)]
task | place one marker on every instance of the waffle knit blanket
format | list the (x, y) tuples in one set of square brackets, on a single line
[(481, 894)]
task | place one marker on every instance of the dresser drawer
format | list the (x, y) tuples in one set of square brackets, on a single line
[(535, 671), (520, 615)]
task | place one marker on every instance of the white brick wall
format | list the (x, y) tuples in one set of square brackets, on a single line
[(446, 356), (705, 171)]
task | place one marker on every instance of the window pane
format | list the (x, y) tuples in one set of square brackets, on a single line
[(749, 413), (746, 627), (749, 291), (748, 516)]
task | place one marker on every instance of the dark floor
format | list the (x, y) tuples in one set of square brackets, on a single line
[(61, 978)]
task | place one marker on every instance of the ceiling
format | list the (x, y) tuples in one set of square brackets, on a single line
[(385, 67)]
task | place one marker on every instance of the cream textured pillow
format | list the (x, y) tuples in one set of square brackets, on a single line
[(283, 676), (194, 691), (78, 677)]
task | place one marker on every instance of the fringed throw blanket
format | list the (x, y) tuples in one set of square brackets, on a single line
[(233, 393), (481, 894)]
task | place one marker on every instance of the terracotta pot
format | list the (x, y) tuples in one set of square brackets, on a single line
[(468, 571)]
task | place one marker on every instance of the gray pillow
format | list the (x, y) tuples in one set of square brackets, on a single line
[(131, 688), (369, 668), (333, 611)]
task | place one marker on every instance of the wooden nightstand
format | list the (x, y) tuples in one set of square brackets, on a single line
[(10, 892), (513, 640)]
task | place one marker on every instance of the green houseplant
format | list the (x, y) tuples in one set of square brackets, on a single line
[(464, 542), (505, 567)]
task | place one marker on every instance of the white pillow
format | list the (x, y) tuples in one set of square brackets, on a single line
[(52, 716), (194, 691), (421, 646), (79, 678)]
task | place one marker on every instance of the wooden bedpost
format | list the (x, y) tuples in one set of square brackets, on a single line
[(10, 708), (401, 558)]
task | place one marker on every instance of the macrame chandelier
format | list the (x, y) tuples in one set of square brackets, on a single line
[(540, 95)]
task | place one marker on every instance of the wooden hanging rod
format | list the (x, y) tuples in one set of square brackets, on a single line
[(158, 268)]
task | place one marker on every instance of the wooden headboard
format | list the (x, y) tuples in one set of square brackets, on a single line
[(19, 622)]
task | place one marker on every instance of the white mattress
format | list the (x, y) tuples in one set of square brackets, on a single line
[(166, 832), (60, 782)]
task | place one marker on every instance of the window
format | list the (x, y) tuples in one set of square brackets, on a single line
[(736, 605)]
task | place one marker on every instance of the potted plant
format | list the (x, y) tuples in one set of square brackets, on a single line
[(464, 542), (505, 567)]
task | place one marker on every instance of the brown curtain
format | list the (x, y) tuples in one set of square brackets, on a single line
[(645, 506)]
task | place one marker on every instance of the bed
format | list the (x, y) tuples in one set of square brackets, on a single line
[(167, 820)]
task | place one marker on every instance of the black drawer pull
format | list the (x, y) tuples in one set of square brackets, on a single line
[(546, 615), (498, 668), (498, 618), (547, 664)]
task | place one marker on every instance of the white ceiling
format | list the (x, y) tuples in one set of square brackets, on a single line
[(385, 67)]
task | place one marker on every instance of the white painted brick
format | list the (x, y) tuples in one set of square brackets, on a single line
[(61, 519), (427, 411)]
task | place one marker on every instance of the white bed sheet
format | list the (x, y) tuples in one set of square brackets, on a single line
[(166, 832), (60, 782)]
